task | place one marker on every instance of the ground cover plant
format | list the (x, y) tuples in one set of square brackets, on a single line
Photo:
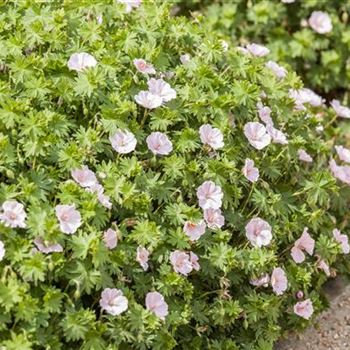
[(160, 188)]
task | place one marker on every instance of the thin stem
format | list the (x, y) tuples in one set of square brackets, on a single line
[(331, 122), (246, 201), (145, 114)]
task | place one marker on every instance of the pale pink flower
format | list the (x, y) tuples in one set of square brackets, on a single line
[(304, 309), (123, 141), (214, 218), (279, 281), (279, 71), (81, 61), (324, 266), (68, 217), (142, 257), (298, 100), (104, 200), (84, 176), (277, 135), (101, 197), (258, 50), (110, 238), (320, 22), (194, 261), (264, 114), (194, 230), (341, 172), (343, 240), (95, 188), (155, 303), (209, 195), (250, 171), (304, 243), (2, 250), (159, 143), (309, 96), (343, 153), (304, 156), (185, 59), (143, 67), (148, 100), (13, 214), (46, 247), (258, 232), (341, 111), (162, 89), (257, 135), (303, 96), (211, 136), (263, 280), (130, 4), (181, 262), (113, 301)]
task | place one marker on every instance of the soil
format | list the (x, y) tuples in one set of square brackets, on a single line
[(331, 330)]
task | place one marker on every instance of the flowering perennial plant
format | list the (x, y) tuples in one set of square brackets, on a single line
[(151, 200)]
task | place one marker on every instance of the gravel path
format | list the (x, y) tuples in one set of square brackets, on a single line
[(331, 330)]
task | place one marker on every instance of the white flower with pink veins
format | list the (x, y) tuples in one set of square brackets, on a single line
[(214, 218), (340, 110), (142, 257), (181, 262), (113, 301), (123, 141), (144, 67), (250, 171), (258, 50), (68, 217), (155, 303), (161, 88), (211, 136), (279, 71), (209, 195), (81, 61), (13, 214), (320, 22), (194, 230), (257, 135), (159, 144), (258, 232), (84, 177), (148, 100)]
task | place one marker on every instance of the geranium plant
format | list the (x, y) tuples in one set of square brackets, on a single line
[(155, 201)]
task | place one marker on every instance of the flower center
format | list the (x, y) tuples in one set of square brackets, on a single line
[(13, 216)]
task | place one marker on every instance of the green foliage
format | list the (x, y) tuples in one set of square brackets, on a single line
[(320, 59), (54, 120)]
